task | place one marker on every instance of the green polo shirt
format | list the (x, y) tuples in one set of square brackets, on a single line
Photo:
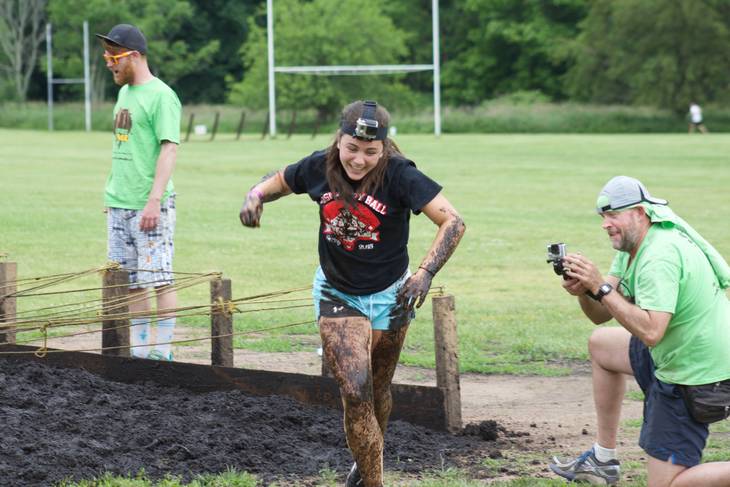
[(144, 116), (671, 274)]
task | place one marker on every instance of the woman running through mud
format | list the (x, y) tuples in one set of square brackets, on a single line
[(364, 293)]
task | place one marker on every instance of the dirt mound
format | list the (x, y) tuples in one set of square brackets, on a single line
[(70, 424)]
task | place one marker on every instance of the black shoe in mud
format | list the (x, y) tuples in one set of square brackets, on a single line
[(353, 478)]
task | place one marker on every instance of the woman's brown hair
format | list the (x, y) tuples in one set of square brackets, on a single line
[(339, 185)]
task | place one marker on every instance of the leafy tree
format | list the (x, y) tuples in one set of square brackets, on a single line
[(321, 32), (225, 21), (414, 19), (665, 53), (162, 21), (494, 47), (21, 32), (66, 18)]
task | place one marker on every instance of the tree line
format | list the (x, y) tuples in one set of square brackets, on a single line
[(662, 53)]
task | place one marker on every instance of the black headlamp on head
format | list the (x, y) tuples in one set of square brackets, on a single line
[(366, 127)]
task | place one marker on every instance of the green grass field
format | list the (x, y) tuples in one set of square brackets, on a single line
[(516, 193)]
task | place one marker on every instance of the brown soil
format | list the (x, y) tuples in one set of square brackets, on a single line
[(537, 416)]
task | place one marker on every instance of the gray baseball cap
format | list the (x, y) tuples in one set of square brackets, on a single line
[(623, 192), (127, 36)]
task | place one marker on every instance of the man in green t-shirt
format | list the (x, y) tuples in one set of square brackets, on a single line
[(139, 194), (666, 290)]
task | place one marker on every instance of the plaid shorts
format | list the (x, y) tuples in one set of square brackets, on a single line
[(146, 255)]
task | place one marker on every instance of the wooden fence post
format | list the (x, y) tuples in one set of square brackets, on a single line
[(215, 125), (266, 127), (115, 331), (292, 124), (241, 123), (317, 122), (221, 323), (190, 126), (447, 359), (8, 287)]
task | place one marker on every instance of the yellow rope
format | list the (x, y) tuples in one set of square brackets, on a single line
[(43, 350), (107, 308), (58, 278), (55, 281), (73, 316), (105, 312), (228, 308), (272, 294), (224, 307), (111, 266), (120, 347), (221, 306), (68, 291)]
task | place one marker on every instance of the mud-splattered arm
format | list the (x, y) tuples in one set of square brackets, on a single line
[(451, 229), (270, 188)]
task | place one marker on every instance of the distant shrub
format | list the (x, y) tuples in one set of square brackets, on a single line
[(522, 97), (520, 112)]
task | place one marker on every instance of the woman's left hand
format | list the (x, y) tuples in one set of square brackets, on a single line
[(415, 290), (253, 207)]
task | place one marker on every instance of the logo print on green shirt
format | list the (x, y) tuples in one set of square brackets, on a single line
[(122, 126)]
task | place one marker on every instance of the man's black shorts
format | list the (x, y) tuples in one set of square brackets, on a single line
[(668, 433)]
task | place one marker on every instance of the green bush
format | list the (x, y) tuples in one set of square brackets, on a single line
[(520, 112)]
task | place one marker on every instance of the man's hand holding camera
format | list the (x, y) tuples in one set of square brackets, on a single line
[(580, 276), (583, 275)]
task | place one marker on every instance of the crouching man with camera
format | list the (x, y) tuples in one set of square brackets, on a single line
[(666, 290)]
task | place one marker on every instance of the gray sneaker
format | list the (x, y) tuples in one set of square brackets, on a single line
[(586, 468)]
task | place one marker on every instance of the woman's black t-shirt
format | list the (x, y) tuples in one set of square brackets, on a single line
[(363, 249)]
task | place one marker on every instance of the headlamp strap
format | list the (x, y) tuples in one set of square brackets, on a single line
[(367, 126), (368, 111)]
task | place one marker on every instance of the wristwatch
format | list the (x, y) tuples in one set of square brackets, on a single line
[(603, 290)]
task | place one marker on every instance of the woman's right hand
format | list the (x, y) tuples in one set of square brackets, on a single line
[(414, 290), (251, 210)]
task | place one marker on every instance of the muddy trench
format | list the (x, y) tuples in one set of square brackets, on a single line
[(70, 424)]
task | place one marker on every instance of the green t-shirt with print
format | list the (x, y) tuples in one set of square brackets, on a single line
[(144, 116), (671, 274)]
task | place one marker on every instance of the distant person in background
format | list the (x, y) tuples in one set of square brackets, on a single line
[(364, 293), (139, 194), (695, 118)]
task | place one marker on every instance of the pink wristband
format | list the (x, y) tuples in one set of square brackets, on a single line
[(257, 193)]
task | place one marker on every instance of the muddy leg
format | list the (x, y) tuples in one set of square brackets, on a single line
[(386, 350), (346, 343)]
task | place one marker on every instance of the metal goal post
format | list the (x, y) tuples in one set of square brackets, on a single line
[(86, 81), (355, 70)]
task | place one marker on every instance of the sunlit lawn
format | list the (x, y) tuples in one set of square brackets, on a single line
[(516, 193)]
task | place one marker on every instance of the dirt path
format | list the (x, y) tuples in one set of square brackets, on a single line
[(556, 412), (549, 414)]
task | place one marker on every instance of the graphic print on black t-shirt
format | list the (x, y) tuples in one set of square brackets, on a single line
[(363, 246), (350, 225)]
